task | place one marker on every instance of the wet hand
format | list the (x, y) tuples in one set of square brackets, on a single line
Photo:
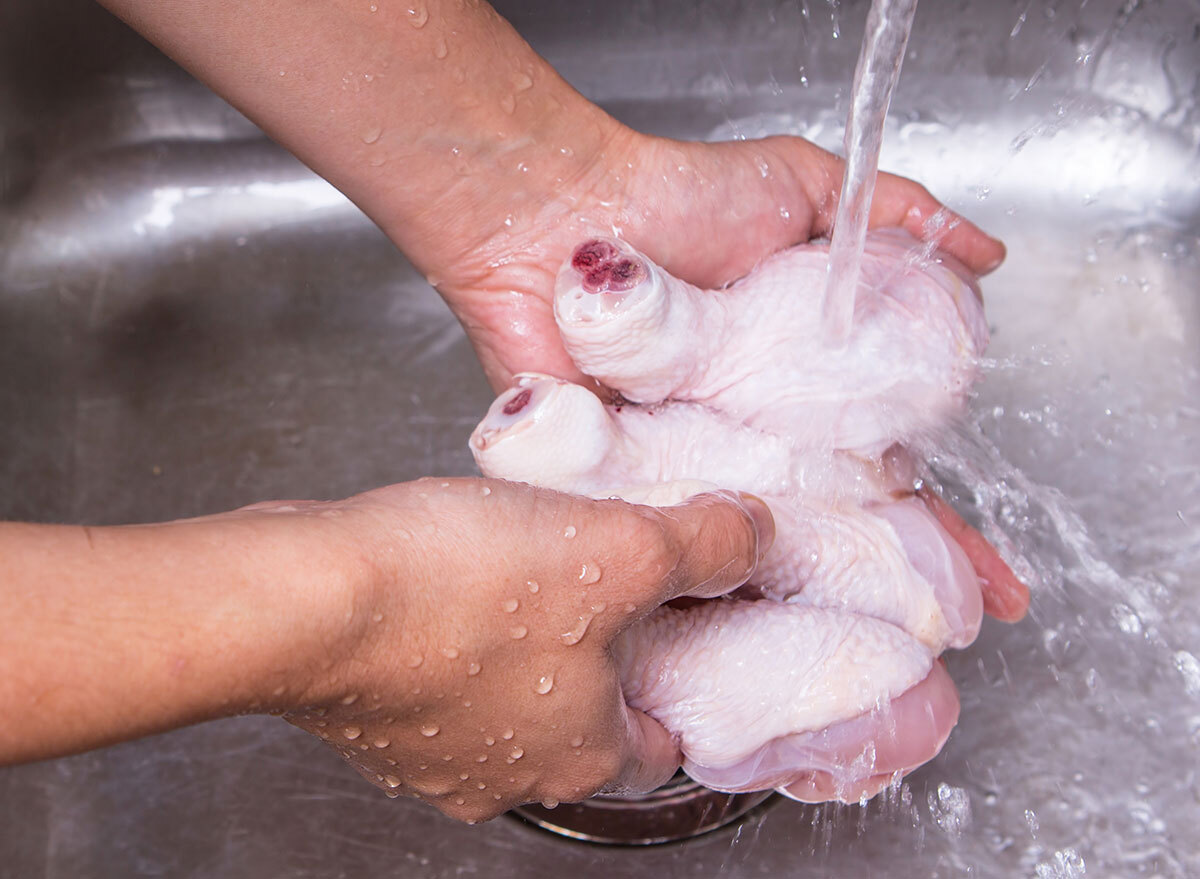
[(470, 667), (705, 212)]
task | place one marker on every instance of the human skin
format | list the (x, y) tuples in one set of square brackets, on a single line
[(403, 626)]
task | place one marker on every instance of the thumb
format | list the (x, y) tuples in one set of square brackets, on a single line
[(719, 538)]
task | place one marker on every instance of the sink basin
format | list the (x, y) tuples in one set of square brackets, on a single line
[(191, 321)]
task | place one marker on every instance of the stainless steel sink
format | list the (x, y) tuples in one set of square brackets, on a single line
[(190, 321)]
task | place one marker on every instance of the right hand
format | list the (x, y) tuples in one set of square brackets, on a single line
[(471, 668)]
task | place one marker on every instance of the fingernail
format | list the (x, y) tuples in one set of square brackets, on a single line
[(764, 522)]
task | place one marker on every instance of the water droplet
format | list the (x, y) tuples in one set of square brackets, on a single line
[(352, 732), (377, 617), (446, 758), (392, 794), (489, 741), (784, 213), (430, 730), (510, 605), (485, 491), (569, 532), (415, 660), (372, 134), (350, 699), (373, 8), (473, 669), (523, 81), (517, 753), (590, 573), (507, 734), (440, 49), (481, 786), (463, 776), (566, 151), (577, 742), (533, 586), (450, 652), (418, 15), (459, 801), (518, 632), (544, 685), (576, 633), (482, 758), (508, 104), (508, 221), (381, 743), (550, 803)]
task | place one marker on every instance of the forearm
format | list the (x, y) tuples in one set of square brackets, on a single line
[(430, 120), (113, 633)]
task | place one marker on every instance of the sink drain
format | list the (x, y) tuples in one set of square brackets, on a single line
[(680, 809)]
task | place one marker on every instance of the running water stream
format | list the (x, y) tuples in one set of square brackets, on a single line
[(888, 26)]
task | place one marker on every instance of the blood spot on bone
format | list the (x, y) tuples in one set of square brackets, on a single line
[(626, 274), (517, 403), (592, 255)]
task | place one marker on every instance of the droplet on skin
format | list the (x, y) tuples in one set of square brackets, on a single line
[(577, 742), (440, 49), (391, 781), (533, 586), (485, 491), (418, 15), (550, 803), (576, 633), (481, 786), (352, 732), (523, 81), (518, 632), (381, 743), (350, 699), (463, 776), (450, 652), (482, 758), (415, 661), (430, 730), (392, 794), (473, 669), (489, 741), (372, 134), (508, 104), (458, 801), (569, 532), (510, 605), (544, 685), (377, 617), (508, 734), (589, 573), (446, 758), (517, 753)]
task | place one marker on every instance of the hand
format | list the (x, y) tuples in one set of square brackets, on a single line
[(705, 212), (473, 666)]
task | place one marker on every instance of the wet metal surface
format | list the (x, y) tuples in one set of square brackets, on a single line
[(190, 321)]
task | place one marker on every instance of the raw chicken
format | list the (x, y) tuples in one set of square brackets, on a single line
[(756, 350), (819, 678), (842, 539)]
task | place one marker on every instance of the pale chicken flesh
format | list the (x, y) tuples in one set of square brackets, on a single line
[(820, 678)]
